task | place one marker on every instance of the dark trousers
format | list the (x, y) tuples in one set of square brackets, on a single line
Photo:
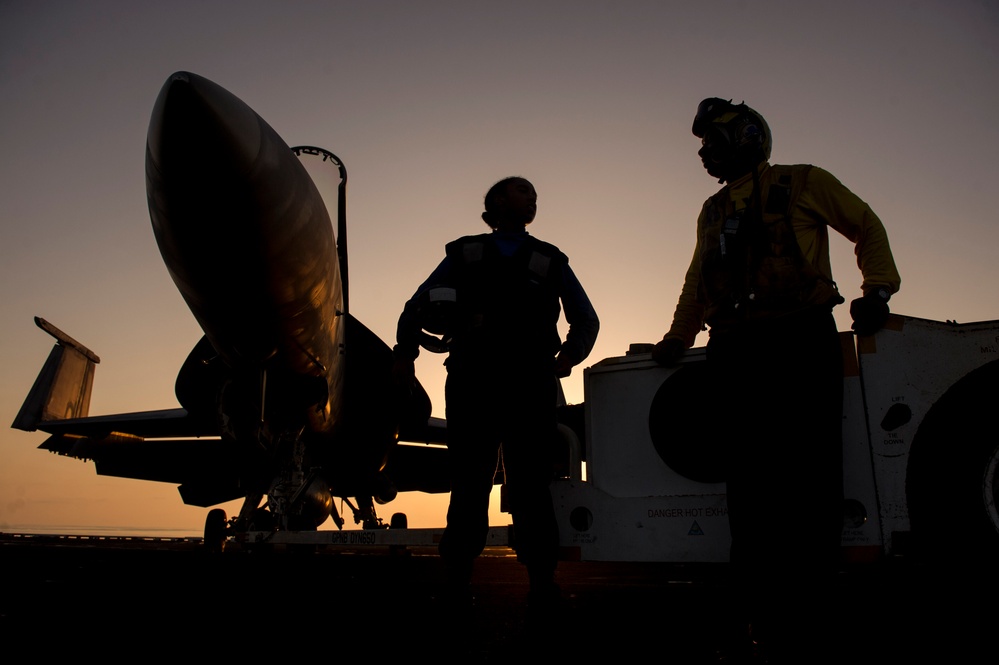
[(778, 390), (489, 404)]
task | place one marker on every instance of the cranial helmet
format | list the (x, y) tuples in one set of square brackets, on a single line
[(733, 128), (436, 311)]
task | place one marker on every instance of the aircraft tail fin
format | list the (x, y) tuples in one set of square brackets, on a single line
[(62, 389)]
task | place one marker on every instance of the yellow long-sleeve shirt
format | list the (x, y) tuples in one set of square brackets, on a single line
[(823, 202)]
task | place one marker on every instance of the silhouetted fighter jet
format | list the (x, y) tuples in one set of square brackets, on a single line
[(286, 396)]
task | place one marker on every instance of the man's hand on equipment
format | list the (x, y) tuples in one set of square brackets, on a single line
[(669, 351), (870, 313)]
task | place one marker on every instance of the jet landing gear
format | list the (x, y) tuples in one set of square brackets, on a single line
[(365, 515), (259, 527)]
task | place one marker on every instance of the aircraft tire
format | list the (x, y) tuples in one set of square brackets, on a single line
[(952, 482), (399, 521), (215, 527)]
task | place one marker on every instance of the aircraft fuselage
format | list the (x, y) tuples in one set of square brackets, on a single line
[(246, 237)]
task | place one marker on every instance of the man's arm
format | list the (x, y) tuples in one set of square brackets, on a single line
[(409, 330), (688, 317), (828, 200), (583, 324)]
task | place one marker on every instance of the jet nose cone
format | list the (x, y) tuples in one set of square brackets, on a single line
[(198, 127)]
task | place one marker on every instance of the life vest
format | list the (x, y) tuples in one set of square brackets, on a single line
[(508, 306), (751, 264)]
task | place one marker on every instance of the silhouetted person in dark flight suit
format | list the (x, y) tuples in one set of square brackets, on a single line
[(505, 289)]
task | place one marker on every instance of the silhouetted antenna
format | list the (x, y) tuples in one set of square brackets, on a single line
[(341, 212)]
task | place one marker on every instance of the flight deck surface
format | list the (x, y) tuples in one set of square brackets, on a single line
[(110, 596)]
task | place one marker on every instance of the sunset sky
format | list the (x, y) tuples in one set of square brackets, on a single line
[(428, 104)]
